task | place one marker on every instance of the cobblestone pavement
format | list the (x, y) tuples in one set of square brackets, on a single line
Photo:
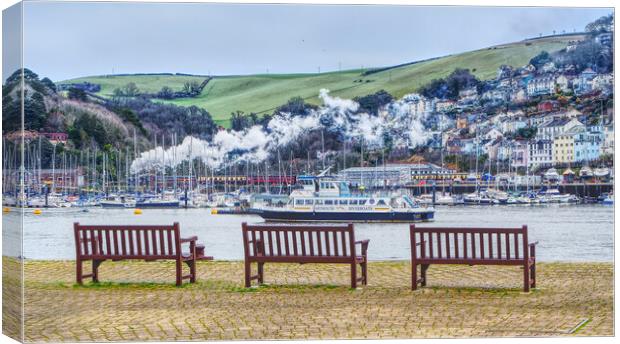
[(138, 301)]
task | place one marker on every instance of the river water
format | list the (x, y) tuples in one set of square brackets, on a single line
[(564, 232)]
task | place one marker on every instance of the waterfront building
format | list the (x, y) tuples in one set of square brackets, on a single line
[(576, 146), (607, 147), (540, 153), (394, 174)]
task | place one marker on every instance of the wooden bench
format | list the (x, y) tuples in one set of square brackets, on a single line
[(99, 243), (472, 246), (302, 244)]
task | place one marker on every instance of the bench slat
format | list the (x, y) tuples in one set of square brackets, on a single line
[(448, 244), (294, 235), (278, 242), (343, 241), (311, 242), (507, 246), (286, 243)]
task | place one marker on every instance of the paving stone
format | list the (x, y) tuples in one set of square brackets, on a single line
[(138, 301)]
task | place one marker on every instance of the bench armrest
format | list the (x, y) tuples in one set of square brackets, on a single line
[(364, 244), (190, 239)]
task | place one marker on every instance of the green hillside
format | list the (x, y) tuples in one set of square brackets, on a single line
[(263, 93), (150, 83)]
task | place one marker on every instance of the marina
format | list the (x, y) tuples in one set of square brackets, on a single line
[(567, 232)]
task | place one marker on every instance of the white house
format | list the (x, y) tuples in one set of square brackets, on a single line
[(541, 85), (540, 153), (563, 83), (555, 126), (603, 82), (583, 84), (607, 146)]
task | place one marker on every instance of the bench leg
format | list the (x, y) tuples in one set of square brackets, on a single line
[(179, 271), (78, 271), (533, 274), (364, 267), (192, 269), (354, 276), (414, 276), (261, 275), (248, 272), (526, 278), (423, 272), (96, 264)]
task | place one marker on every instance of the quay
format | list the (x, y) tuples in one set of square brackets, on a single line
[(578, 189), (138, 302)]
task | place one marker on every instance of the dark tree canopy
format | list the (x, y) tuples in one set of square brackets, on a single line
[(373, 102), (540, 59), (77, 94), (602, 24), (296, 106), (449, 88)]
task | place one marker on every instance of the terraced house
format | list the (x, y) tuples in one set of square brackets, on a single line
[(576, 146)]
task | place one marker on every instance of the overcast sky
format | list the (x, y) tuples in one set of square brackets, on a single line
[(66, 40)]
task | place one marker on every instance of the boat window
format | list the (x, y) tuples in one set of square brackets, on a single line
[(353, 202), (318, 201), (308, 202), (329, 202), (381, 202), (343, 202), (299, 201), (371, 201), (362, 201)]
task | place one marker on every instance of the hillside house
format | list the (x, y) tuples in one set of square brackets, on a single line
[(503, 72), (577, 145), (540, 153), (541, 85), (603, 82), (518, 96), (563, 83), (468, 95), (55, 138), (491, 134), (556, 126), (548, 67), (548, 106), (444, 105), (583, 83), (607, 146), (520, 154), (510, 125)]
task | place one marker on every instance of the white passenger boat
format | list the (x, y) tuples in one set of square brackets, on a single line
[(327, 200)]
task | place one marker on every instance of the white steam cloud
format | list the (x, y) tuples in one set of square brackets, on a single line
[(396, 120)]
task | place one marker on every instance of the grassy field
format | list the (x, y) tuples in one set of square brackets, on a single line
[(263, 93), (146, 83)]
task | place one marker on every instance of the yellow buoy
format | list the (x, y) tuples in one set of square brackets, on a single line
[(137, 211), (214, 211), (37, 211), (6, 209)]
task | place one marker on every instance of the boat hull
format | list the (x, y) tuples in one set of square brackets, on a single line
[(297, 216), (172, 204)]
